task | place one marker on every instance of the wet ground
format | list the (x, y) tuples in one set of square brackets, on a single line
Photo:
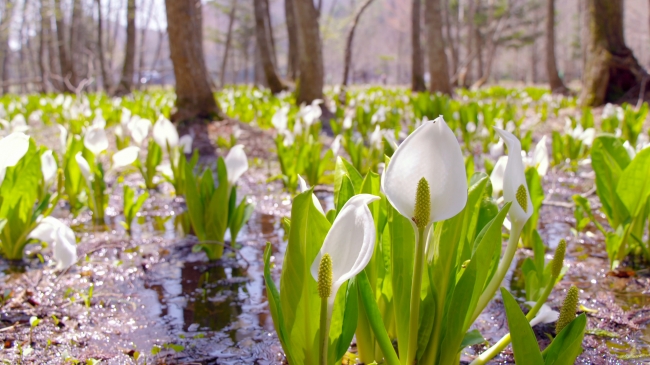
[(147, 298)]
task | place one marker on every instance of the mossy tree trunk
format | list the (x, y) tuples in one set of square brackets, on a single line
[(611, 70), (310, 50), (438, 68), (194, 98)]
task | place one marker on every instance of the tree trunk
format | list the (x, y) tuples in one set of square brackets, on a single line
[(42, 45), (438, 68), (611, 69), (450, 39), (417, 58), (310, 81), (348, 46), (269, 29), (292, 33), (224, 61), (64, 60), (5, 22), (76, 53), (143, 37), (106, 78), (468, 74), (264, 45), (194, 98), (126, 80), (554, 80)]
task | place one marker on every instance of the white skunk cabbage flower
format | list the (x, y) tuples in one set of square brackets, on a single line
[(431, 152), (84, 167), (349, 243), (236, 163), (63, 137), (280, 119), (125, 157), (48, 166), (139, 129), (95, 140), (336, 144), (304, 187), (540, 157), (545, 315), (186, 143), (62, 239), (498, 173), (165, 133), (12, 148), (515, 189)]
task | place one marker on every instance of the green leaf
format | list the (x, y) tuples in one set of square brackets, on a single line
[(524, 343), (609, 159), (298, 289), (274, 303), (634, 185), (472, 337), (567, 345)]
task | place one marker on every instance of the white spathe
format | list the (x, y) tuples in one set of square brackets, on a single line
[(95, 140), (84, 167), (496, 178), (139, 129), (350, 241), (304, 187), (185, 143), (48, 166), (545, 315), (12, 148), (280, 119), (125, 157), (431, 152), (540, 157), (165, 133), (63, 137), (514, 177), (236, 163), (62, 239)]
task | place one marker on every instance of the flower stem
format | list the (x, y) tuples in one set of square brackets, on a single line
[(493, 351), (324, 329), (504, 265), (416, 287)]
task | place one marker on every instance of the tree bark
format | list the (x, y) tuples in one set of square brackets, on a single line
[(417, 58), (310, 81), (42, 45), (554, 80), (292, 33), (106, 77), (264, 45), (438, 68), (64, 60), (143, 37), (450, 39), (194, 98), (224, 61), (76, 53), (611, 69), (468, 74), (126, 80), (350, 38), (5, 22)]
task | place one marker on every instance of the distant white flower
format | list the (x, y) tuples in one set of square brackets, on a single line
[(540, 157), (186, 143), (165, 133), (336, 144), (498, 173), (280, 119), (95, 140), (545, 315), (12, 148), (48, 166), (236, 163), (62, 239), (84, 167), (304, 187), (125, 157), (139, 129)]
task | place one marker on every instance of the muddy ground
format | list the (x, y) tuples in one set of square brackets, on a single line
[(148, 299)]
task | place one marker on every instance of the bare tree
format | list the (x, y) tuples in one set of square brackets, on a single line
[(557, 86), (438, 68), (5, 24), (76, 33), (106, 76), (64, 59), (194, 98), (226, 51), (126, 80), (310, 48), (348, 45), (417, 58), (264, 44), (42, 45), (292, 34), (611, 70), (143, 37)]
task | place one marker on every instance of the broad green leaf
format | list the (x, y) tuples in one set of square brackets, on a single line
[(634, 185), (609, 159), (567, 345), (274, 303), (472, 337), (524, 343)]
